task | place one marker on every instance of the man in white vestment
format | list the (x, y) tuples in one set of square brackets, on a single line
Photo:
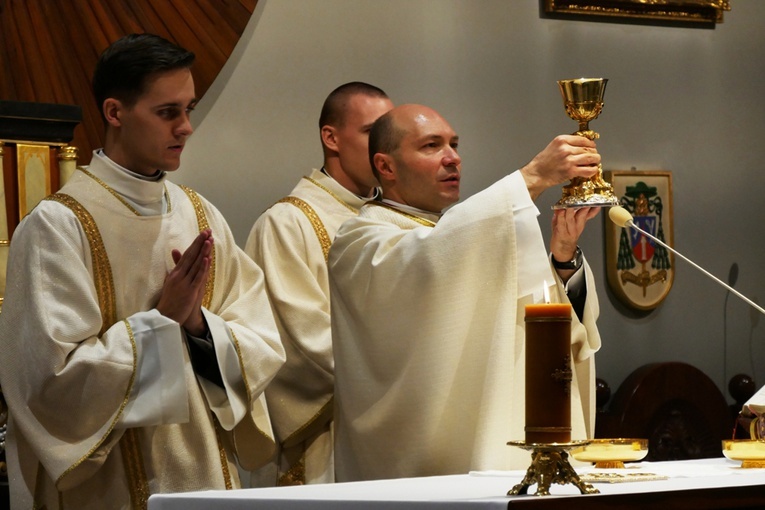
[(291, 241), (137, 338), (427, 306)]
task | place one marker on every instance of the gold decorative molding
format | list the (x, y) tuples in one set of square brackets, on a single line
[(68, 153), (706, 12), (33, 175), (67, 163)]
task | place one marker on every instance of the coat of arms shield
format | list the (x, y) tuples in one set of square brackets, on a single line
[(640, 271)]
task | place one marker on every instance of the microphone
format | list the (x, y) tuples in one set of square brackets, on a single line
[(623, 218)]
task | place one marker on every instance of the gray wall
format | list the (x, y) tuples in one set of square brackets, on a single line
[(686, 100)]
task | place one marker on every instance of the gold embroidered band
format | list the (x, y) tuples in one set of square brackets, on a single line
[(104, 284), (203, 224), (318, 226)]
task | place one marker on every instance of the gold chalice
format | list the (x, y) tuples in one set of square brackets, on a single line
[(583, 99)]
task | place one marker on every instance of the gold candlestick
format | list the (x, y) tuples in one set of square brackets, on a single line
[(549, 465), (548, 401), (583, 99)]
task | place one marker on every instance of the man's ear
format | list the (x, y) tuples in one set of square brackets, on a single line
[(329, 138), (112, 109), (384, 166)]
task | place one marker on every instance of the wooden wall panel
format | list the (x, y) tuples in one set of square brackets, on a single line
[(48, 49)]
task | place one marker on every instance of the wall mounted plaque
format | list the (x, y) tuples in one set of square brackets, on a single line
[(640, 271)]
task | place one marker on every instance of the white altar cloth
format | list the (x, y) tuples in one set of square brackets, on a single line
[(479, 490)]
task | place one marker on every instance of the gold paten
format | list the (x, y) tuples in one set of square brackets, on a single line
[(549, 464), (751, 452), (583, 100), (611, 453)]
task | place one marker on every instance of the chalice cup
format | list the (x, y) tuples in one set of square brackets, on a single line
[(583, 99)]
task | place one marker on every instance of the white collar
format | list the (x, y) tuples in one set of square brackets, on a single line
[(428, 215)]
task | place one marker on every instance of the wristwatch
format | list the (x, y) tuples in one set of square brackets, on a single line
[(574, 263)]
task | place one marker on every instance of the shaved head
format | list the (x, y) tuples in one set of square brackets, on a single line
[(336, 105), (388, 131), (413, 152)]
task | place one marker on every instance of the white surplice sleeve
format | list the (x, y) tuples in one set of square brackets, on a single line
[(67, 383)]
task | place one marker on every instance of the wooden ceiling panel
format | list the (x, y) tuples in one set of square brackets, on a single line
[(49, 50)]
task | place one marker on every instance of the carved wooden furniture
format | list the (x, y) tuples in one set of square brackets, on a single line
[(36, 159), (675, 406)]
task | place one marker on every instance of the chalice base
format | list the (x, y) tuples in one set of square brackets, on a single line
[(592, 192), (549, 464)]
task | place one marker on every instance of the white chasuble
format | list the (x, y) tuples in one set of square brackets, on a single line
[(429, 339), (105, 408), (291, 241)]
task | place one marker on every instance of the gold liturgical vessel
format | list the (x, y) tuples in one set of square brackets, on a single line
[(583, 99)]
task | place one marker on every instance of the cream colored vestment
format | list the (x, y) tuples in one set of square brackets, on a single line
[(105, 407), (290, 241), (429, 339)]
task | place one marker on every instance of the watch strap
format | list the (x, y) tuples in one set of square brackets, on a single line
[(574, 263)]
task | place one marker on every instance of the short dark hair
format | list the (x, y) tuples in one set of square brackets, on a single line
[(124, 68), (384, 138), (334, 108)]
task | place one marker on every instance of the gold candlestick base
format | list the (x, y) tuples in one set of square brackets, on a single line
[(549, 464)]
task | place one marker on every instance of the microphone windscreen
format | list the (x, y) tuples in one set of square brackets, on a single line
[(620, 216)]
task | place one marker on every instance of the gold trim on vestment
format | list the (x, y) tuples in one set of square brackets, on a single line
[(416, 219), (295, 475), (203, 225), (238, 350), (241, 364), (329, 404), (332, 194), (222, 453), (132, 459), (130, 445), (102, 271), (104, 284), (318, 227)]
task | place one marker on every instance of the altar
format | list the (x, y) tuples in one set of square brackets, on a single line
[(692, 484)]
